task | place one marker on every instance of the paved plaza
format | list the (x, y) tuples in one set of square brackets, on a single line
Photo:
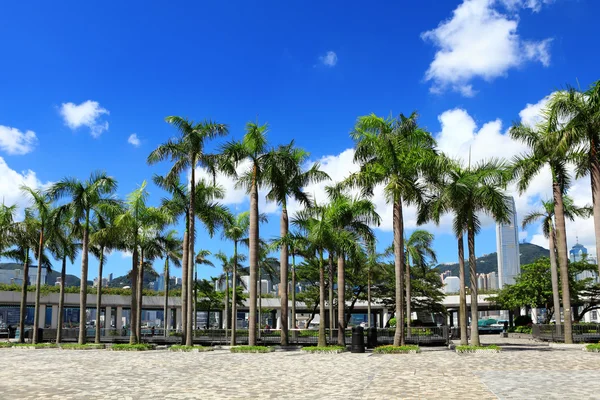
[(524, 370)]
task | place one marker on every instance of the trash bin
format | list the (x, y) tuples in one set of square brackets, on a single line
[(358, 340), (372, 337)]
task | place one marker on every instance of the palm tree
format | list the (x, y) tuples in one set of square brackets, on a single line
[(7, 225), (252, 147), (544, 151), (171, 249), (236, 231), (87, 198), (394, 153), (267, 266), (227, 263), (199, 260), (546, 215), (373, 265), (42, 207), (186, 152), (286, 177), (581, 111)]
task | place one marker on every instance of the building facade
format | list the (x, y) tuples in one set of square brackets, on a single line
[(507, 247)]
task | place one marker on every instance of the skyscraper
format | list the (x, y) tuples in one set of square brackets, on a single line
[(507, 247)]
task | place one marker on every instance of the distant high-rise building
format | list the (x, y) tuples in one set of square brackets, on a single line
[(507, 247), (451, 284), (159, 284), (492, 281), (110, 277), (577, 252)]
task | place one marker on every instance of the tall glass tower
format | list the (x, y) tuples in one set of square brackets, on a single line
[(507, 247)]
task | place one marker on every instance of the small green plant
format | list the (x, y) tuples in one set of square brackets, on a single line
[(390, 349), (131, 347), (183, 348), (251, 349), (492, 348), (36, 345), (594, 347), (522, 329), (88, 346), (324, 349), (5, 344)]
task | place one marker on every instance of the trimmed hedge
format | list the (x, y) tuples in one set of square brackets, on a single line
[(183, 348), (594, 347), (75, 346), (131, 347), (251, 349), (324, 349), (390, 349), (492, 348), (35, 346), (5, 344)]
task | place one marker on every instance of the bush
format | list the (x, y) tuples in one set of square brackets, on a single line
[(492, 348), (523, 329), (523, 320), (131, 347), (75, 346), (390, 349), (392, 322), (183, 348), (251, 349), (595, 347), (324, 349), (36, 346), (5, 344)]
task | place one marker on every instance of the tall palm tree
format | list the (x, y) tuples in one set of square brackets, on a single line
[(373, 266), (201, 259), (252, 148), (227, 263), (86, 198), (267, 267), (546, 215), (286, 178), (187, 152), (577, 114), (7, 225), (544, 151), (394, 153), (171, 249), (43, 209), (236, 230)]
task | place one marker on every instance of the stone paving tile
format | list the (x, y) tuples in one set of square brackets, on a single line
[(525, 370)]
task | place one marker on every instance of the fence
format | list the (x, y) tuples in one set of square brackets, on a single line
[(582, 333)]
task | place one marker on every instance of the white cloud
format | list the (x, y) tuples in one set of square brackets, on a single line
[(531, 114), (87, 114), (11, 182), (126, 254), (13, 141), (134, 140), (534, 5), (479, 42), (330, 59)]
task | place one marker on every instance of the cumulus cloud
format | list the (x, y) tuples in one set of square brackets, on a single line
[(330, 59), (479, 41), (134, 140), (11, 182), (15, 142), (89, 113), (534, 5)]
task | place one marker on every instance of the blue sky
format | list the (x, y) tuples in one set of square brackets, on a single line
[(79, 78)]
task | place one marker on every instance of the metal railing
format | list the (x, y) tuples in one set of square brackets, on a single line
[(582, 333)]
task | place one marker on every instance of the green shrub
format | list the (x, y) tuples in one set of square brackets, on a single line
[(177, 334), (324, 349), (36, 346), (131, 347), (594, 347), (392, 322), (183, 348), (523, 320), (5, 344), (75, 346), (474, 349), (251, 349), (390, 349), (522, 329)]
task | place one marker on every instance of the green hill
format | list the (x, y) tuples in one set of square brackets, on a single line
[(149, 276), (489, 262)]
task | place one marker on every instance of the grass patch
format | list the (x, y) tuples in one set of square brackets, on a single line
[(35, 346), (251, 349), (324, 349), (594, 347), (5, 344), (75, 346), (182, 348), (390, 349), (131, 347), (492, 348)]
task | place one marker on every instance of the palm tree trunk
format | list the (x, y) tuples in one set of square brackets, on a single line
[(462, 308), (61, 300), (234, 295), (322, 341), (140, 295), (408, 288), (196, 297), (369, 298), (283, 281), (253, 259), (23, 311), (473, 276), (399, 271), (330, 298), (38, 284), (99, 297), (561, 245), (259, 301), (184, 268), (83, 285), (341, 300), (595, 182), (166, 313), (293, 291), (189, 337), (554, 275), (133, 338), (226, 311)]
